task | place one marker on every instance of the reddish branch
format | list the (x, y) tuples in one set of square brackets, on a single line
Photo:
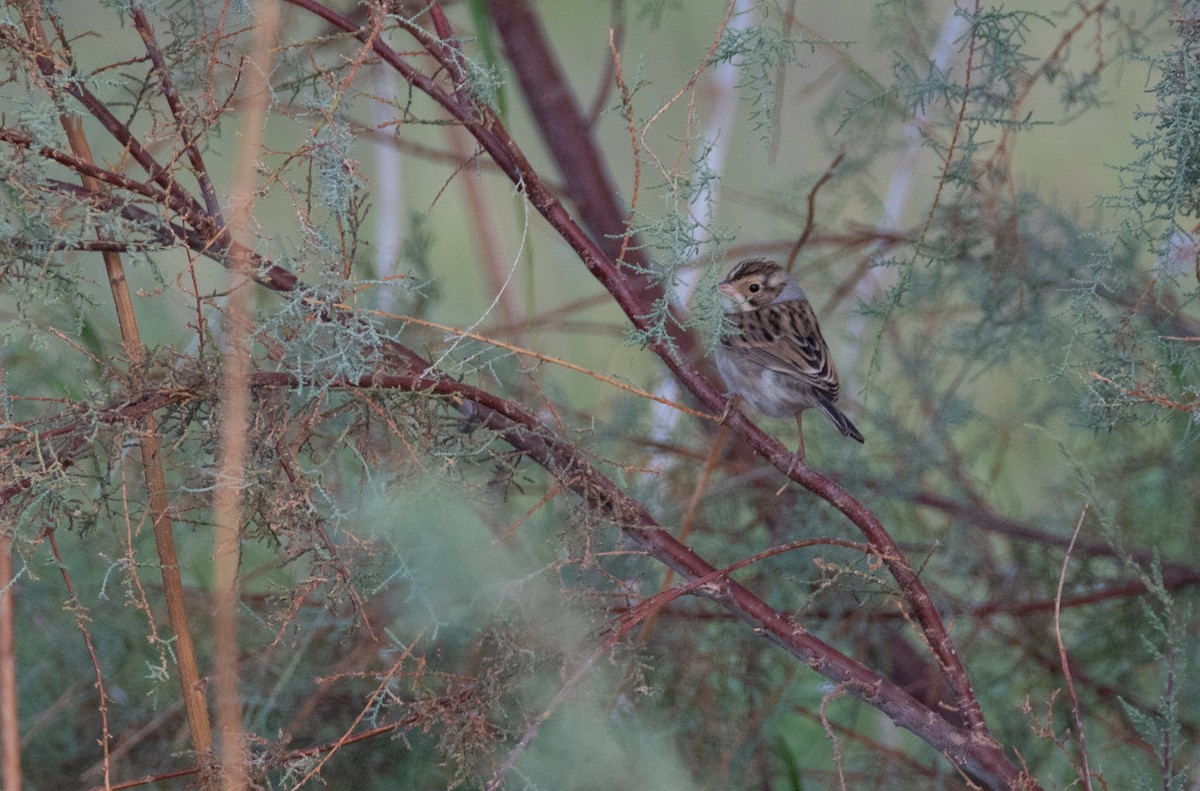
[(487, 128), (185, 124)]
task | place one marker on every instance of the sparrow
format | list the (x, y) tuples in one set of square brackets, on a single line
[(776, 360)]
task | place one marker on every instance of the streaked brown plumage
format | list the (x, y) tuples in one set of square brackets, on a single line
[(776, 360)]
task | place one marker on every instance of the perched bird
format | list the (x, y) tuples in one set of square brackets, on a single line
[(776, 360)]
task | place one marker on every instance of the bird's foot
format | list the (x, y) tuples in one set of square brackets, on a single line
[(730, 407), (797, 460)]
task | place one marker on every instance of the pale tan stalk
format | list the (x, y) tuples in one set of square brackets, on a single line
[(234, 411), (10, 743)]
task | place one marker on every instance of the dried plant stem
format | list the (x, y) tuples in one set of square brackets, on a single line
[(1062, 656), (81, 620), (234, 412), (227, 517), (164, 538), (10, 743), (829, 696)]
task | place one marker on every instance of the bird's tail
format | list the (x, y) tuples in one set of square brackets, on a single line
[(840, 420)]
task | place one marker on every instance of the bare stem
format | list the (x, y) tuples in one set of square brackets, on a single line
[(10, 742), (1063, 660), (234, 413)]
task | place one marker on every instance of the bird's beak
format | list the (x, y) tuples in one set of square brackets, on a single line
[(727, 289)]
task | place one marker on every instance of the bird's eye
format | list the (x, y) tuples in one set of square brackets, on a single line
[(754, 288)]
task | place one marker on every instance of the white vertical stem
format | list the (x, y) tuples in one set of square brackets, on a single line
[(389, 225), (717, 134), (900, 185)]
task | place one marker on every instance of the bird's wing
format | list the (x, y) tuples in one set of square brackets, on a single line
[(785, 338)]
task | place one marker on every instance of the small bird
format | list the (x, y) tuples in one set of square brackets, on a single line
[(777, 360)]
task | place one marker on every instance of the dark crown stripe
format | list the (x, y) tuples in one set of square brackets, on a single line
[(752, 266)]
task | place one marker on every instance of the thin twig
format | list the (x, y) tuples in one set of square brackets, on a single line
[(349, 732), (81, 620), (810, 221), (1062, 654), (496, 271), (538, 356), (183, 123), (967, 96), (829, 696), (10, 730)]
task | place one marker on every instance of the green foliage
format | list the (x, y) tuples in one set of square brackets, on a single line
[(1168, 170), (1162, 641), (760, 51)]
